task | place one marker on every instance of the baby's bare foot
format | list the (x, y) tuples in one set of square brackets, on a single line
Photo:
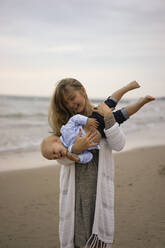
[(149, 98), (146, 99), (133, 85)]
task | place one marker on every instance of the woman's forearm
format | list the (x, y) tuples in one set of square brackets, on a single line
[(109, 121), (115, 137)]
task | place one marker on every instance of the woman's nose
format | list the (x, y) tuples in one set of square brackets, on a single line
[(72, 104)]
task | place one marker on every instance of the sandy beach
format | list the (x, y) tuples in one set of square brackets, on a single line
[(29, 199)]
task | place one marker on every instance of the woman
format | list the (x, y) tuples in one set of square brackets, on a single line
[(86, 190)]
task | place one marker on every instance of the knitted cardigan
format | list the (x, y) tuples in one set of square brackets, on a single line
[(103, 226)]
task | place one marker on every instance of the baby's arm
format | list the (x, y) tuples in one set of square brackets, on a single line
[(84, 121), (72, 156), (70, 130), (77, 120)]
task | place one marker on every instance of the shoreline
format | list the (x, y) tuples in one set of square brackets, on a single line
[(23, 160), (14, 160), (18, 161)]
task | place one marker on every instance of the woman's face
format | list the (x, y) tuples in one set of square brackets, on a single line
[(75, 100)]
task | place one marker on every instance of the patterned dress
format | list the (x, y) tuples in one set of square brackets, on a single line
[(85, 186), (85, 194)]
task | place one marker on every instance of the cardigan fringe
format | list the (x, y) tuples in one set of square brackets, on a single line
[(96, 243)]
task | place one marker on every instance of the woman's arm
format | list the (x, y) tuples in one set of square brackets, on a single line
[(115, 137), (114, 134)]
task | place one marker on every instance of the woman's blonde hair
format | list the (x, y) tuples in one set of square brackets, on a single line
[(59, 114)]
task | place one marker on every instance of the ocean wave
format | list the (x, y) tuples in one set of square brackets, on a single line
[(30, 146), (23, 115), (24, 121)]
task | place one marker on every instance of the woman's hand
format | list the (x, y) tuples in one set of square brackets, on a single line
[(103, 110), (52, 148), (91, 123), (84, 142)]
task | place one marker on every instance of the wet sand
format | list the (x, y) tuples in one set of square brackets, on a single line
[(29, 201)]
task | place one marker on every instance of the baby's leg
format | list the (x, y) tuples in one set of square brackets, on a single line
[(133, 108), (121, 115), (119, 93)]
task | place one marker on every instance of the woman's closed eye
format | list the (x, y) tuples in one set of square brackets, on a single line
[(71, 98)]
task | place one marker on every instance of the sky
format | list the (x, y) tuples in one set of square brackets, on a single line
[(103, 43)]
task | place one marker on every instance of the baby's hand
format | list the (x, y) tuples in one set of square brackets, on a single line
[(72, 156), (91, 122)]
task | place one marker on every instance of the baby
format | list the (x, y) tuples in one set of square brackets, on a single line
[(78, 122)]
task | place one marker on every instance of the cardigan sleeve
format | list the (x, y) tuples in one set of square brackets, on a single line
[(115, 137), (109, 121)]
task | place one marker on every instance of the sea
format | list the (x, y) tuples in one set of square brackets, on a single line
[(24, 120)]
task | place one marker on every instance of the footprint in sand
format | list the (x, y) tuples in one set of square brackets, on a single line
[(162, 170)]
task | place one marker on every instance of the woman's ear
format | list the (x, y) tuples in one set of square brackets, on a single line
[(83, 91)]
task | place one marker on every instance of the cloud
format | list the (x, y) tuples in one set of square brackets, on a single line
[(94, 39), (81, 14)]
